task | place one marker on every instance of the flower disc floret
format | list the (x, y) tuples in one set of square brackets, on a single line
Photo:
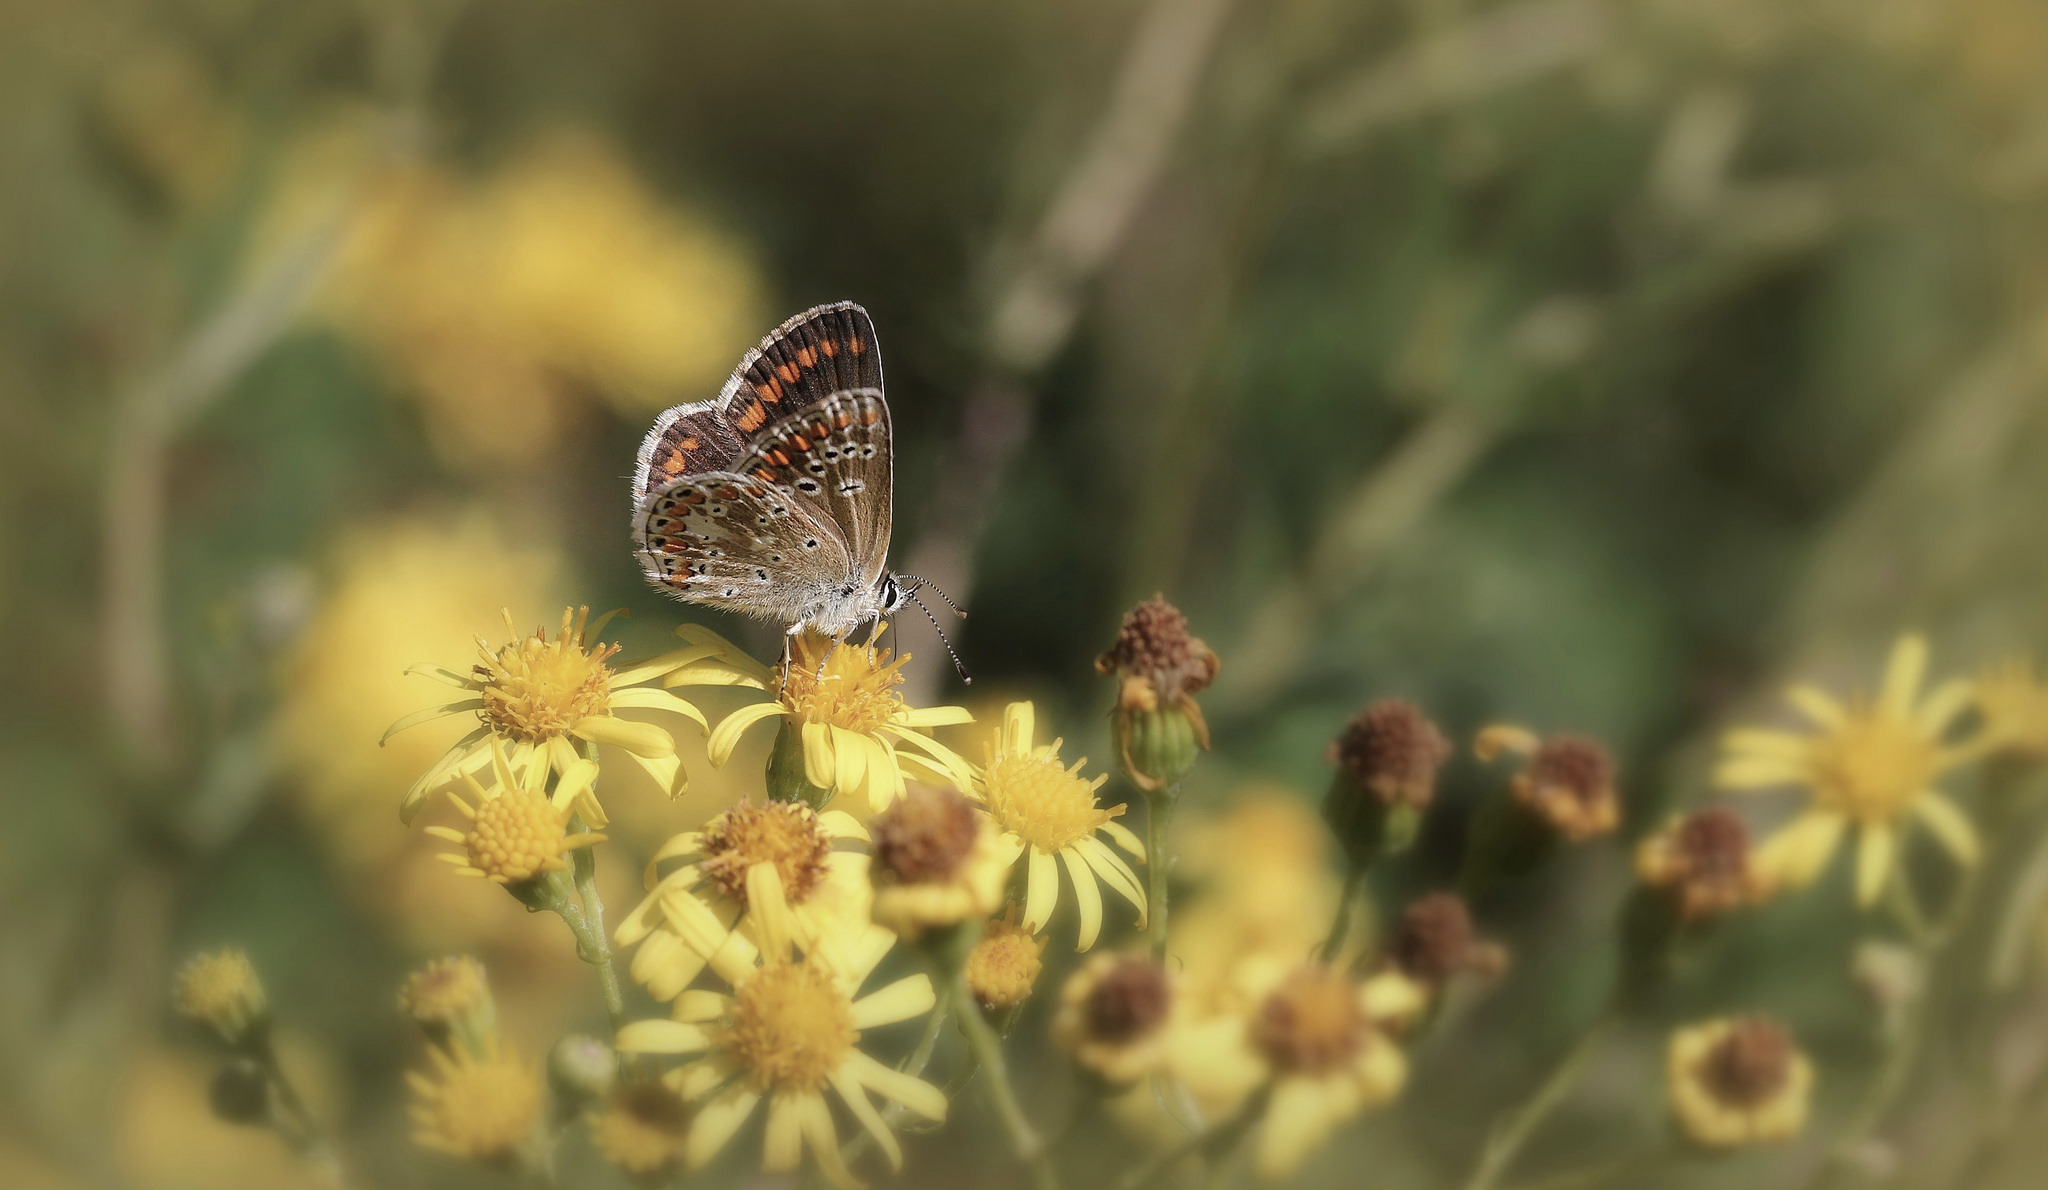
[(791, 1027), (535, 689), (785, 834)]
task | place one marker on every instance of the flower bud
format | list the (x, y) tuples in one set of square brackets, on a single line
[(450, 1000), (1003, 967), (581, 1070), (1564, 794), (1159, 667), (220, 989), (1387, 760)]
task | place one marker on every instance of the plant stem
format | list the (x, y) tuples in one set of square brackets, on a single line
[(1515, 1130), (1159, 806), (305, 1135), (988, 1050), (1209, 1144), (1354, 880)]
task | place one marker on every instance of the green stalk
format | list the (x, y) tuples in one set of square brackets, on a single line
[(988, 1051), (1159, 805), (1515, 1131)]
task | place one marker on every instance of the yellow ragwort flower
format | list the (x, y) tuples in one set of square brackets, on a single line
[(1004, 966), (546, 698), (936, 863), (860, 738), (820, 885), (483, 1107), (789, 1030), (517, 831), (1048, 813), (445, 991), (1737, 1082), (643, 1128), (2014, 704), (1320, 1041), (220, 989), (1868, 764), (1116, 1016)]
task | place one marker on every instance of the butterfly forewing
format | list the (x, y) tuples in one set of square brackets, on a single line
[(824, 350), (686, 440), (833, 458)]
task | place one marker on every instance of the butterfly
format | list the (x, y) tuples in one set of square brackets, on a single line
[(774, 498)]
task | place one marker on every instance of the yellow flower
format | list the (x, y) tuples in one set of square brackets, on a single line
[(516, 831), (483, 1107), (820, 886), (445, 990), (1004, 966), (1737, 1082), (1318, 1040), (2015, 708), (788, 1031), (1868, 765), (1116, 1016), (220, 989), (936, 863), (545, 697), (642, 1128), (855, 726), (1048, 812)]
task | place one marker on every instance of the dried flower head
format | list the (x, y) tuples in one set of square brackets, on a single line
[(1153, 643), (1159, 668), (936, 862), (1392, 751), (220, 989), (1702, 859), (1434, 940), (1738, 1082), (1568, 781), (1114, 1016)]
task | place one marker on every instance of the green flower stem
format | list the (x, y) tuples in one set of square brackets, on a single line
[(1515, 1130), (303, 1134), (592, 942), (1354, 882), (1211, 1145), (787, 778), (1640, 1166), (1159, 805), (988, 1052)]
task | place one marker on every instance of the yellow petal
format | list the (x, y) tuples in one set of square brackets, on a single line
[(430, 714), (727, 735), (1942, 705), (821, 767), (912, 1092), (768, 909), (907, 997), (441, 674), (1798, 852), (641, 739), (1115, 873), (716, 1122), (782, 1147), (1816, 704), (666, 662), (1041, 890), (1019, 721), (815, 1119), (850, 763), (668, 773), (1125, 838), (838, 824), (647, 699), (1903, 673), (662, 1037), (698, 1005), (1298, 1120), (1784, 745), (1876, 854), (1758, 772), (1087, 896), (857, 1102), (1950, 826)]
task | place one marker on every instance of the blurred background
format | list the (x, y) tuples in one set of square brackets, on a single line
[(1594, 364)]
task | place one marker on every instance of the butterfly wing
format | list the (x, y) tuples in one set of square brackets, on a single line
[(686, 440), (735, 542), (832, 459)]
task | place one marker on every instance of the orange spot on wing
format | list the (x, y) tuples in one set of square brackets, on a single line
[(856, 345), (690, 443), (829, 346), (820, 430), (802, 444), (751, 417), (765, 474), (778, 458), (842, 420), (789, 373), (675, 463), (770, 390), (806, 357), (870, 416)]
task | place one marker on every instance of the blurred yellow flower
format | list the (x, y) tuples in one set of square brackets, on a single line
[(687, 914), (1004, 966), (642, 1129), (860, 739), (1869, 764), (1048, 813), (517, 830), (220, 989), (789, 1030), (498, 299), (2014, 704), (545, 697), (1116, 1017), (936, 863), (1737, 1082), (484, 1107)]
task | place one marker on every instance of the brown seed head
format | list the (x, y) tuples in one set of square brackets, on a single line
[(1130, 1000), (785, 834), (1392, 750), (1153, 643), (1434, 940), (1703, 860), (926, 836), (1570, 782), (1751, 1064), (1312, 1023)]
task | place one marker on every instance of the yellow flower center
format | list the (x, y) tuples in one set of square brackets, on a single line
[(781, 833), (516, 836), (444, 990), (479, 1108), (1003, 966), (643, 1129), (1048, 806), (857, 691), (791, 1027), (535, 689), (1312, 1023), (1873, 765)]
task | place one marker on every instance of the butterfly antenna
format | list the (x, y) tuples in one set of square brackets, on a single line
[(916, 583), (965, 677)]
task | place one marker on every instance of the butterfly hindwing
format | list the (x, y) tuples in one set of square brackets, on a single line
[(732, 541), (833, 458), (823, 350), (686, 440)]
